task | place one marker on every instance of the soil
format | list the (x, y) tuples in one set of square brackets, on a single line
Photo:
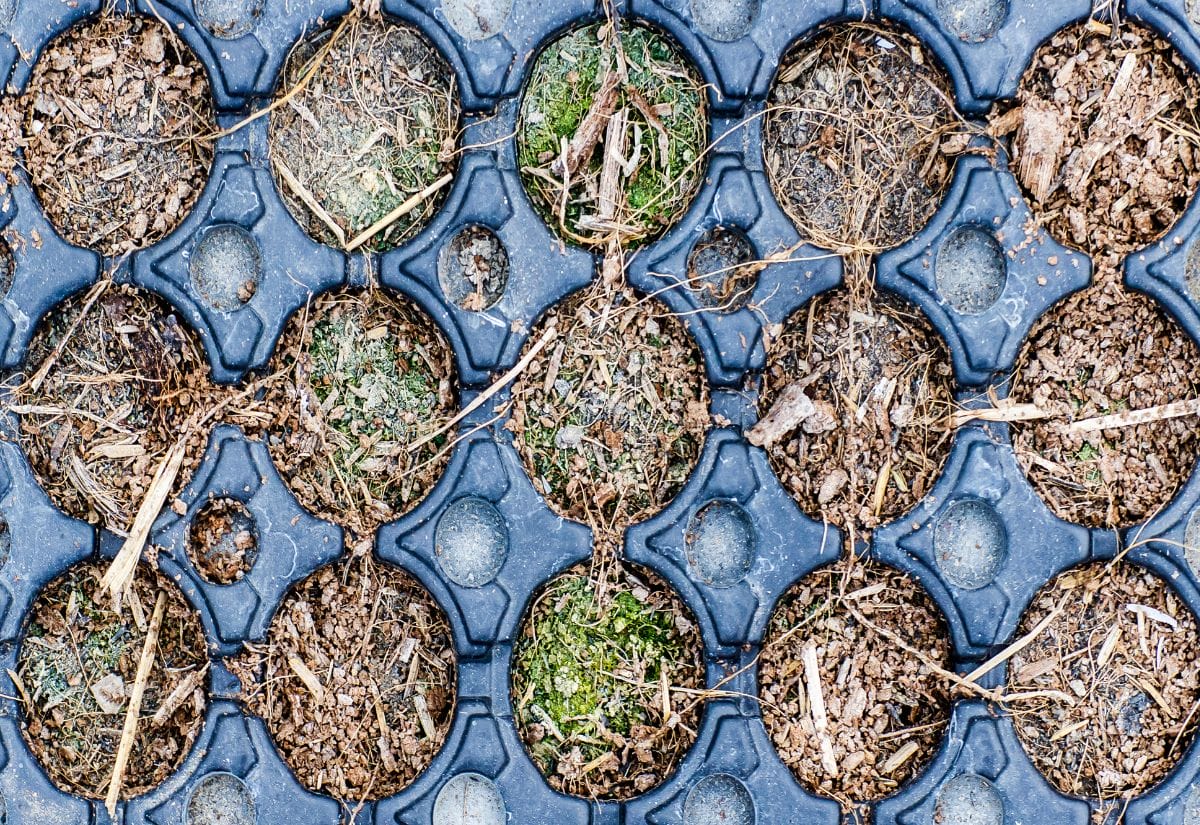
[(116, 118), (358, 378), (1120, 670), (610, 418), (473, 269), (355, 680), (1105, 140), (223, 541), (78, 660), (854, 408), (375, 125), (884, 707), (630, 110), (112, 403), (605, 681), (857, 137)]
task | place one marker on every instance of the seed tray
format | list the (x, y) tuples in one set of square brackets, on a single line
[(981, 542)]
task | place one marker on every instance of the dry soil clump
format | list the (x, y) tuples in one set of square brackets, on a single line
[(116, 117), (371, 129), (604, 681), (1106, 132), (78, 663), (854, 137), (359, 379), (854, 407), (1119, 668), (851, 712), (611, 134), (98, 421), (356, 680)]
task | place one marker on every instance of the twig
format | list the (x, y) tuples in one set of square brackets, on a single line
[(587, 134), (397, 213), (1130, 418), (816, 704), (309, 201), (309, 678), (1016, 647), (135, 705), (496, 386), (44, 369)]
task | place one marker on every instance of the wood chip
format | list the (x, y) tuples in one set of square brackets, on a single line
[(309, 678)]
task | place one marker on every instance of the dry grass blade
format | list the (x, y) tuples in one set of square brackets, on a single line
[(1131, 418), (303, 194), (135, 705), (816, 704), (398, 213), (1017, 646), (1008, 412)]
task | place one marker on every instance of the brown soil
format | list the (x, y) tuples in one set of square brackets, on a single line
[(605, 681), (223, 541), (1105, 136), (79, 660), (116, 114), (375, 125), (854, 409), (609, 420), (112, 402), (1120, 668), (356, 679), (358, 378), (885, 706), (854, 137)]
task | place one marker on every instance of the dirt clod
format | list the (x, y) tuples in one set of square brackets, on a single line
[(356, 679), (852, 713), (77, 662), (373, 126), (1120, 669), (115, 121), (853, 137), (877, 383), (600, 675), (223, 541)]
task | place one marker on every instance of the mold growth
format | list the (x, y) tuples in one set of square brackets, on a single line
[(226, 266), (223, 541), (604, 681), (630, 110), (853, 713), (1117, 670), (363, 152), (355, 680), (854, 409), (77, 663), (117, 132)]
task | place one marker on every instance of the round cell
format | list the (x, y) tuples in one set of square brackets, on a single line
[(1191, 541), (471, 542), (226, 266), (223, 541), (970, 544), (220, 798), (473, 268), (1191, 269), (970, 270), (1191, 808), (477, 19), (969, 799), (718, 271), (973, 20), (719, 799), (724, 20), (228, 19), (721, 543), (469, 799), (8, 12)]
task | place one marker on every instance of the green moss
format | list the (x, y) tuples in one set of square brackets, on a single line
[(560, 91), (564, 667)]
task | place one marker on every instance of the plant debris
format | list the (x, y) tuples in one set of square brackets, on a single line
[(356, 679), (98, 415), (358, 379), (369, 125), (1105, 138), (116, 118), (1119, 671), (854, 409), (222, 541), (78, 663), (611, 134), (606, 682), (853, 713), (857, 137)]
